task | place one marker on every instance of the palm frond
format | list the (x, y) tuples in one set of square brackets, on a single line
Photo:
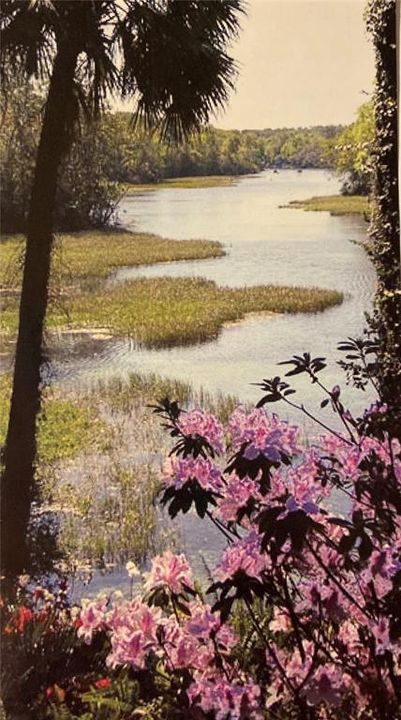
[(175, 60), (171, 56), (27, 36)]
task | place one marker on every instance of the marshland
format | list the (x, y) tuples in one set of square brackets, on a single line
[(182, 300)]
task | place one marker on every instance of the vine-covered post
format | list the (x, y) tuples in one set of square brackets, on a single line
[(384, 248)]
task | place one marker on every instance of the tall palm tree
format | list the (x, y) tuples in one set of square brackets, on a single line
[(171, 57)]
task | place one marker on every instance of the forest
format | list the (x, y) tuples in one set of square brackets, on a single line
[(112, 154)]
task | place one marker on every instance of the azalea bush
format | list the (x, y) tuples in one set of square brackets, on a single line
[(302, 616)]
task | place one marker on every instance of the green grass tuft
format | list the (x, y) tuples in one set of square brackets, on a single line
[(334, 204), (166, 312), (182, 183), (156, 312), (66, 427)]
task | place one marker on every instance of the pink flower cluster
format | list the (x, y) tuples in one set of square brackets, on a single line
[(177, 471), (169, 571), (92, 617), (332, 640), (133, 635), (201, 424), (351, 456), (228, 700), (238, 492), (379, 573), (243, 556), (304, 486), (195, 640), (264, 434)]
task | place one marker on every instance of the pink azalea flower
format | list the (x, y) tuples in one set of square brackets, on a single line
[(177, 471), (381, 569), (244, 555), (381, 633), (200, 423), (134, 629), (185, 650), (348, 634), (304, 486), (295, 667), (203, 624), (280, 622), (92, 618), (168, 570), (237, 493), (202, 621), (326, 686), (228, 701), (265, 435)]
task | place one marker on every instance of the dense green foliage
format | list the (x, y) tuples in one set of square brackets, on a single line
[(352, 156), (87, 195), (384, 246)]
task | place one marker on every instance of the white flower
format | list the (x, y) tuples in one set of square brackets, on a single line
[(132, 569)]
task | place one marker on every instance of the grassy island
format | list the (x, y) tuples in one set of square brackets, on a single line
[(165, 312), (156, 312), (181, 183), (96, 254), (334, 204)]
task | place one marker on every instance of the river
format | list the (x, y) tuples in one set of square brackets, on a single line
[(265, 243)]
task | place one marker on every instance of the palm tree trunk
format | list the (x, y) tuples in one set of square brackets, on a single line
[(17, 486)]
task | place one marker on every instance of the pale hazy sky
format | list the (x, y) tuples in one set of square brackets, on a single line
[(302, 62)]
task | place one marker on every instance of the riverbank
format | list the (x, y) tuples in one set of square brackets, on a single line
[(181, 183), (334, 204), (155, 312)]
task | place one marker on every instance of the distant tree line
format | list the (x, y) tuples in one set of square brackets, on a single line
[(112, 152)]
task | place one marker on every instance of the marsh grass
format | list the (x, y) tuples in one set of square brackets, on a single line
[(100, 456), (65, 429), (167, 312), (334, 204), (84, 255), (183, 183), (109, 498), (156, 312), (139, 389)]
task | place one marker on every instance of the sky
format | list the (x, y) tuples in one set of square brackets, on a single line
[(301, 63)]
